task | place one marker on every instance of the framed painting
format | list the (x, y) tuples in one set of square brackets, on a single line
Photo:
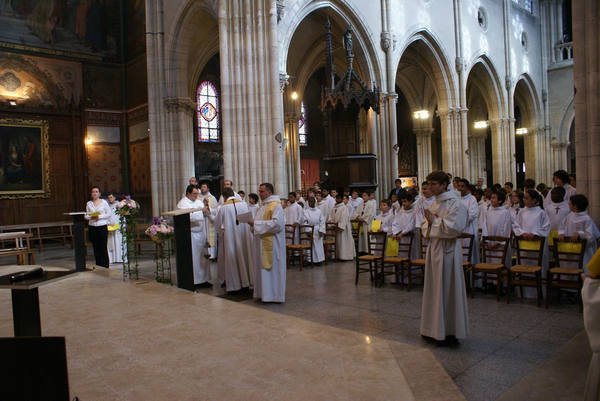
[(24, 162)]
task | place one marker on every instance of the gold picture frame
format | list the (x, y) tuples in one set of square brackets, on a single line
[(24, 159)]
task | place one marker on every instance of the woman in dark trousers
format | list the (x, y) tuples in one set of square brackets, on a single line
[(98, 215)]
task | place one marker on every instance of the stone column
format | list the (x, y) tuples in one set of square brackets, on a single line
[(424, 163), (503, 170), (586, 71), (166, 179), (251, 99), (477, 156), (451, 148), (384, 137), (539, 162), (559, 155)]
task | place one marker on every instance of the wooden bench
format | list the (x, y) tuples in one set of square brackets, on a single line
[(59, 230), (19, 246)]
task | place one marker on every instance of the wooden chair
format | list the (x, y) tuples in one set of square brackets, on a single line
[(467, 252), (329, 244), (377, 245), (568, 267), (415, 268), (398, 262), (527, 275), (289, 240), (493, 258), (304, 247)]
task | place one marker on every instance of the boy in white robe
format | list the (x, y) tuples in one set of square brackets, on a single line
[(557, 210), (561, 178), (444, 313), (200, 264), (344, 243), (404, 224), (294, 215), (314, 218), (364, 214), (232, 258), (322, 206), (473, 223), (579, 225), (354, 202), (269, 227)]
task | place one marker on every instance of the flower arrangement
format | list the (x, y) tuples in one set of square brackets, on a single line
[(159, 231), (128, 207)]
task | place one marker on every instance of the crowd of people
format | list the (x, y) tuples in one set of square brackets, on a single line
[(245, 234)]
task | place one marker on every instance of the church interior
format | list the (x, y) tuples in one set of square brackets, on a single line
[(135, 97)]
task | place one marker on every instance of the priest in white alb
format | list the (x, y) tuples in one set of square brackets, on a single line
[(201, 265), (269, 227), (232, 259)]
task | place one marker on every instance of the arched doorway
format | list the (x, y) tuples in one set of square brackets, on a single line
[(424, 88), (525, 127), (312, 134), (487, 129)]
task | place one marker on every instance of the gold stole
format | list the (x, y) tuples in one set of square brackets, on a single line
[(267, 239)]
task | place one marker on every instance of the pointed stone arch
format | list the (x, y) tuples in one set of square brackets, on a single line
[(529, 163), (424, 77), (484, 88)]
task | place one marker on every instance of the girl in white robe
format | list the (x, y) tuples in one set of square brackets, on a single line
[(344, 243), (497, 222), (579, 225), (314, 218), (115, 238), (533, 221), (383, 222)]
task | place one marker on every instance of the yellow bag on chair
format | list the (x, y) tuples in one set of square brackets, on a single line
[(391, 248), (553, 234), (375, 225), (594, 265)]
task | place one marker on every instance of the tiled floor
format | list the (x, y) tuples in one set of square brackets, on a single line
[(507, 342)]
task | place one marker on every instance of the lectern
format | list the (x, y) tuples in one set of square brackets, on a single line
[(183, 247), (79, 239)]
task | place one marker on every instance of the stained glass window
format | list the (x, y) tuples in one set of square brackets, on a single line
[(207, 112), (302, 132)]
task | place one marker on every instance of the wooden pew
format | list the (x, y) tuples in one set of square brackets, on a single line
[(18, 245)]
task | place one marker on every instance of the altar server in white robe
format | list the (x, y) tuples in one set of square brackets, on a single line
[(497, 221), (313, 217), (344, 243), (385, 216), (228, 184), (485, 205), (444, 313), (532, 221), (115, 238), (557, 209), (354, 202), (330, 199), (210, 227), (294, 215), (322, 206), (473, 222), (364, 214), (561, 178), (404, 225), (579, 225), (516, 203), (233, 259), (201, 265), (422, 204), (269, 227)]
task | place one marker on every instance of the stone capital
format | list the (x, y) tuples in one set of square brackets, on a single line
[(558, 145), (180, 105), (386, 41), (284, 80), (423, 132)]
